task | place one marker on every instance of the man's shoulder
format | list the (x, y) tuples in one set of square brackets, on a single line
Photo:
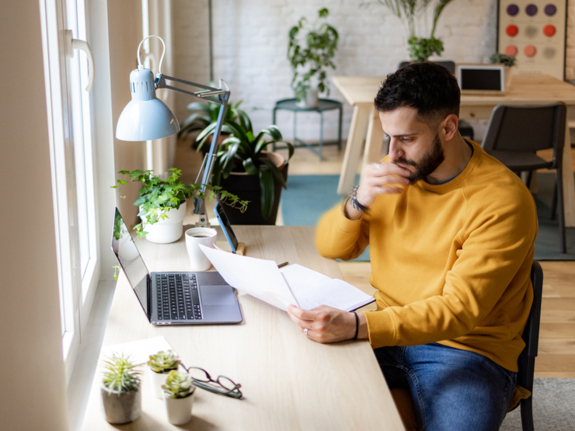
[(492, 184)]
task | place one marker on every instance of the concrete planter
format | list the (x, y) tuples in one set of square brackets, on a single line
[(122, 407), (311, 99)]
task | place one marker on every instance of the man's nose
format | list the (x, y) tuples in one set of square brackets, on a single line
[(395, 149)]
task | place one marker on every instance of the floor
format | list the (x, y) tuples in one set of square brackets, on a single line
[(557, 334)]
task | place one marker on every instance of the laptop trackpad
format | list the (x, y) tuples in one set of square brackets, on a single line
[(217, 295)]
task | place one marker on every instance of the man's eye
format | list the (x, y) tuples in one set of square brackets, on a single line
[(406, 139)]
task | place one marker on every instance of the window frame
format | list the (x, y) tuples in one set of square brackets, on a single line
[(77, 285)]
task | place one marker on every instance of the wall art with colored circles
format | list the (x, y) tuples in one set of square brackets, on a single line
[(534, 32)]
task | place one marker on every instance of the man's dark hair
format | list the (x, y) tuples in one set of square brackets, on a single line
[(427, 87)]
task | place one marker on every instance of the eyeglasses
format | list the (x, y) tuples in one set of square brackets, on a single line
[(222, 385)]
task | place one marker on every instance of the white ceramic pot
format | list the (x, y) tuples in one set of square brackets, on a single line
[(179, 410), (122, 407), (157, 381), (169, 229), (311, 99)]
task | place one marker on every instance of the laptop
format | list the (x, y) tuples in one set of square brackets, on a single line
[(174, 298)]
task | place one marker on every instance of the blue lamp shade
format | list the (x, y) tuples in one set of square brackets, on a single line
[(146, 117)]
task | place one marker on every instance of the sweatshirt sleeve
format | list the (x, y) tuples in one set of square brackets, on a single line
[(338, 237), (498, 247)]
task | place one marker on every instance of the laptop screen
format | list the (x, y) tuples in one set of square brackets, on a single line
[(130, 260)]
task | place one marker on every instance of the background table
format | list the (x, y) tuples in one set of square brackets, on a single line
[(289, 382), (323, 105), (524, 90)]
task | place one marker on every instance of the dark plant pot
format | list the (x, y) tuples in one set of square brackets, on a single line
[(247, 187)]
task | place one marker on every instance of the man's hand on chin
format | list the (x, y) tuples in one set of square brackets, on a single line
[(328, 325)]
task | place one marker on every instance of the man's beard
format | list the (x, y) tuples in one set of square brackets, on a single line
[(429, 162)]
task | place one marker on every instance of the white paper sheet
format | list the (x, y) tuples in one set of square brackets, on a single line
[(139, 351), (264, 280), (257, 277)]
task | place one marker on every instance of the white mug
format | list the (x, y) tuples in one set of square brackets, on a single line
[(195, 236)]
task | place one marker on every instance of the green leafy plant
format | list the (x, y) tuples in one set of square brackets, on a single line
[(116, 272), (507, 60), (162, 361), (120, 375), (205, 115), (243, 151), (158, 196), (420, 48), (178, 385), (310, 52), (411, 12)]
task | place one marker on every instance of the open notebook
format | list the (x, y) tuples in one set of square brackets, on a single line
[(293, 284)]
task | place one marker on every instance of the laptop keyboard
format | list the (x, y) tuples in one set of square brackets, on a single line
[(178, 297)]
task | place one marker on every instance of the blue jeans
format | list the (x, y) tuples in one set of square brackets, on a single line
[(451, 389)]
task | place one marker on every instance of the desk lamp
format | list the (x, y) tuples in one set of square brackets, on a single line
[(146, 117)]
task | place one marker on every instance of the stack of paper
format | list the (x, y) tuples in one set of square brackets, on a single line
[(293, 284)]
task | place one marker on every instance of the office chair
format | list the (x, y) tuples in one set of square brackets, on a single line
[(464, 127), (526, 361), (514, 135)]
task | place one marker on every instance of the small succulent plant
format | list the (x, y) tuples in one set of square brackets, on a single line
[(120, 374), (178, 385), (162, 361), (507, 60)]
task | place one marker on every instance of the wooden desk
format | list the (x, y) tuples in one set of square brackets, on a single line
[(524, 90), (289, 382)]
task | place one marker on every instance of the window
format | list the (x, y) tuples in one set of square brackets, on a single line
[(71, 153)]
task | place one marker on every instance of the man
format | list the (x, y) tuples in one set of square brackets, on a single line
[(451, 234)]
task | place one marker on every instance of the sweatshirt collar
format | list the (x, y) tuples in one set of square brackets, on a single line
[(460, 178)]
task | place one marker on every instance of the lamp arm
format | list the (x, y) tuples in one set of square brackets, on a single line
[(211, 91), (223, 96), (199, 204)]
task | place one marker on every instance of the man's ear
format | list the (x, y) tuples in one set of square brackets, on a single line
[(449, 126)]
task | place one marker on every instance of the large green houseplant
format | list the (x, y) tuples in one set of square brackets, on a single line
[(311, 49), (411, 13), (205, 114), (163, 202), (244, 167)]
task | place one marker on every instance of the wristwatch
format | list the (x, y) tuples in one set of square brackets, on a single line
[(354, 202)]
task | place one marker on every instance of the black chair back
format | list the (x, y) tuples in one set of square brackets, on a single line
[(531, 331), (527, 128), (526, 361), (449, 65)]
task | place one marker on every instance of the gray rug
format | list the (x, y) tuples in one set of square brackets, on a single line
[(553, 407)]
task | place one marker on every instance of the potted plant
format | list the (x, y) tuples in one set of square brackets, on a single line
[(310, 52), (244, 167), (178, 397), (509, 61), (205, 115), (162, 203), (160, 365), (412, 12), (121, 394)]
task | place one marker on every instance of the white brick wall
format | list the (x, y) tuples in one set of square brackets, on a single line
[(250, 49)]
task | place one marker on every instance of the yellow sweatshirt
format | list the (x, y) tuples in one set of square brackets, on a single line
[(451, 262)]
